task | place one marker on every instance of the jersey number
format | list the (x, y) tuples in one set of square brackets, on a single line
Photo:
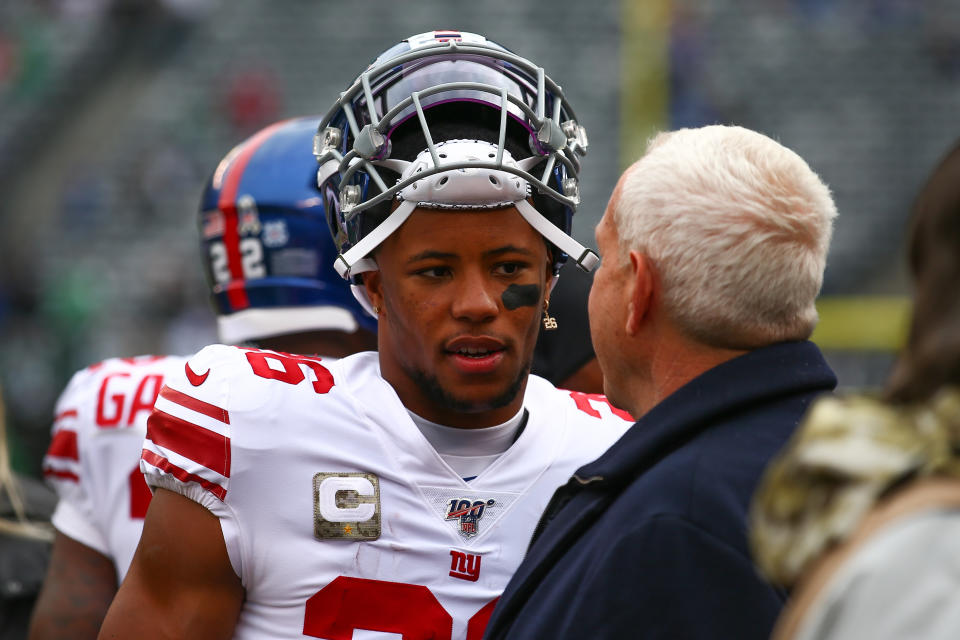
[(251, 260), (347, 604), (583, 401), (288, 368)]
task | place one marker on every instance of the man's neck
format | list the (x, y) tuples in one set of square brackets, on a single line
[(672, 361)]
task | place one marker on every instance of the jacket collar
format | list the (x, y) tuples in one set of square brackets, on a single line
[(744, 381)]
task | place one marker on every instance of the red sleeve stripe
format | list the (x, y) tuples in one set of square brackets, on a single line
[(205, 447), (64, 445), (69, 413), (193, 404), (165, 465), (61, 475)]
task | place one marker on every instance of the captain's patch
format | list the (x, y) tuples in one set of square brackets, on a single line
[(346, 506)]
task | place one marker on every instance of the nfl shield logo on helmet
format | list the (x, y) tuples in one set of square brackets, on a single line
[(249, 216), (469, 513)]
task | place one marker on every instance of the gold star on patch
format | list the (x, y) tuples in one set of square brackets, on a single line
[(347, 529)]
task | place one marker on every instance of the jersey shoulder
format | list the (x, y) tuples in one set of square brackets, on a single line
[(243, 379), (109, 396), (589, 424), (91, 386), (575, 427), (589, 410), (224, 393)]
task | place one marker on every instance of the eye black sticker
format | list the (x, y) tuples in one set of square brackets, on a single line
[(521, 295)]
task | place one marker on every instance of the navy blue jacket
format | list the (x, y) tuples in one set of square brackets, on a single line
[(650, 539)]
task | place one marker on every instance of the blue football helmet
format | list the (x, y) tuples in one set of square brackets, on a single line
[(414, 87), (265, 242)]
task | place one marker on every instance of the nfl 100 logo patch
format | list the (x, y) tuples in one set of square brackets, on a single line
[(469, 513)]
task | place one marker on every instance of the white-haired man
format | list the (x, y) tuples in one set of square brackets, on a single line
[(714, 245)]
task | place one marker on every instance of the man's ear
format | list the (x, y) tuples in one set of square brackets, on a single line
[(551, 280), (373, 283), (642, 282)]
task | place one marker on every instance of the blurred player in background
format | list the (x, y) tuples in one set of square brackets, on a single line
[(393, 492), (267, 254)]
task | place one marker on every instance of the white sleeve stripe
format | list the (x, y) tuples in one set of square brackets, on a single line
[(188, 465), (51, 463), (193, 417), (65, 415)]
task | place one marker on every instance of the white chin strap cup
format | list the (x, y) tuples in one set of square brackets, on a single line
[(464, 189), (360, 293)]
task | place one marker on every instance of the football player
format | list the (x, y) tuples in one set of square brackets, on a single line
[(267, 254), (387, 494)]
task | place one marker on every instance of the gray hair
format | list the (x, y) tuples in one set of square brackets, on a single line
[(738, 228)]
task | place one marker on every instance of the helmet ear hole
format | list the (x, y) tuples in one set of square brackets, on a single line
[(494, 181)]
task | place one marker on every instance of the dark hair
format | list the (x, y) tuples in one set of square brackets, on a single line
[(931, 359)]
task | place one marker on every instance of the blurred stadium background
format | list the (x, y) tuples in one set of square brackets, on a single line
[(113, 112)]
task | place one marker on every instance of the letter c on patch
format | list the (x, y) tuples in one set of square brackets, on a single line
[(360, 487)]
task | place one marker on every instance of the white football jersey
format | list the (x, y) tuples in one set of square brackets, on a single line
[(339, 517), (94, 454)]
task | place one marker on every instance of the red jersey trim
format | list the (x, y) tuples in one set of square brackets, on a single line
[(193, 404), (69, 413), (64, 445), (192, 441), (183, 476), (62, 475)]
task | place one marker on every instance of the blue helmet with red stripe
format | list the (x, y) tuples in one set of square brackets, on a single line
[(266, 246)]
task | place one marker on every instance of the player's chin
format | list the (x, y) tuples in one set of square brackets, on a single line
[(478, 401), (476, 394)]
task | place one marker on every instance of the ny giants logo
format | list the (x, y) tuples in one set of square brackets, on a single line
[(469, 514), (465, 566)]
